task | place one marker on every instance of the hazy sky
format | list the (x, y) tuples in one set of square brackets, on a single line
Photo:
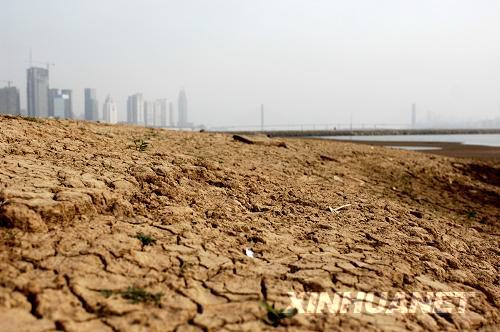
[(308, 61)]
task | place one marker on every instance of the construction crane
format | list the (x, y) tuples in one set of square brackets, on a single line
[(9, 83), (48, 64), (31, 62)]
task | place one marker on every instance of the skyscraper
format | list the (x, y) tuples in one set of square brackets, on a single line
[(182, 109), (9, 101), (68, 103), (164, 114), (110, 111), (60, 104), (171, 115), (161, 113), (135, 109), (91, 105), (149, 114), (38, 92)]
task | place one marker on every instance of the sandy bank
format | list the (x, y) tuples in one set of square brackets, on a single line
[(88, 211)]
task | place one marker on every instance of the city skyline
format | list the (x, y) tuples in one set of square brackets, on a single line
[(38, 81), (46, 102), (161, 112)]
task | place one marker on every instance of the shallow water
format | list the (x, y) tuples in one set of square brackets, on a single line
[(477, 139), (414, 148)]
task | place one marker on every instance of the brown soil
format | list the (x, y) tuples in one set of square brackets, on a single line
[(449, 149), (74, 196)]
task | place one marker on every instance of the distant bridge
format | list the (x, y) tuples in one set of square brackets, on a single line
[(363, 132), (308, 127)]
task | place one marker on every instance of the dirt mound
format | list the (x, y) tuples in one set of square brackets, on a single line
[(100, 232), (486, 173)]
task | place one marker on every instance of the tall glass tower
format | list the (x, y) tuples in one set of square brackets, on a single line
[(38, 92), (182, 106), (91, 105), (9, 101), (135, 109)]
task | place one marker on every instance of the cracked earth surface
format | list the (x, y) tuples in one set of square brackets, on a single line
[(74, 196)]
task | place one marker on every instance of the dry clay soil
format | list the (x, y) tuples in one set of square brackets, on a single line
[(74, 196)]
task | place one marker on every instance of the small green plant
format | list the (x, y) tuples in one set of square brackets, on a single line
[(146, 240), (137, 295), (141, 145), (472, 215), (106, 292), (134, 295), (275, 316)]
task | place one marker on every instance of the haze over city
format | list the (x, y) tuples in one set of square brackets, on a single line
[(306, 61)]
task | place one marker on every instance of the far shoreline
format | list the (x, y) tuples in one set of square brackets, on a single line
[(449, 149)]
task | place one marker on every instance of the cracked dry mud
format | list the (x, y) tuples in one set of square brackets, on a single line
[(74, 196)]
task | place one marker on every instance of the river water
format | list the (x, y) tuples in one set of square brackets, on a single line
[(477, 139)]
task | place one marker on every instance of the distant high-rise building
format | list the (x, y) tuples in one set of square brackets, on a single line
[(9, 101), (52, 96), (38, 92), (171, 115), (413, 115), (68, 103), (160, 113), (110, 111), (149, 114), (182, 106), (164, 114), (135, 109), (91, 105), (60, 104)]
